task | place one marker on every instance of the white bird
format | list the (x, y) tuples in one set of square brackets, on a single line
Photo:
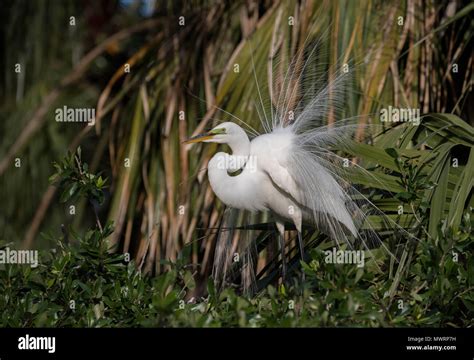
[(292, 169), (281, 173)]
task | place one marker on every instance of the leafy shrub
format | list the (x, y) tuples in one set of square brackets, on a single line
[(85, 285)]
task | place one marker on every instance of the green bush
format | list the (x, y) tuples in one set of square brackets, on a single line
[(87, 286), (81, 283)]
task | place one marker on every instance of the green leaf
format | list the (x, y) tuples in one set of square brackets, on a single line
[(404, 196), (461, 192), (392, 152), (69, 192)]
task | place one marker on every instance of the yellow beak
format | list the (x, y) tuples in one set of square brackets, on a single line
[(199, 138)]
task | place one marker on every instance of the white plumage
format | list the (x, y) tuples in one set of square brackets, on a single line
[(281, 172), (271, 180), (291, 170)]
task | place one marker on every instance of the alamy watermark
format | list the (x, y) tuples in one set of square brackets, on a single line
[(393, 114), (335, 256), (67, 114), (12, 256), (234, 163), (28, 342)]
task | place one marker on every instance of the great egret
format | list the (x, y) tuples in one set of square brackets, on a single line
[(280, 173), (292, 169)]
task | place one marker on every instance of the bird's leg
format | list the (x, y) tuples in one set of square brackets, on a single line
[(300, 243), (281, 238), (283, 259)]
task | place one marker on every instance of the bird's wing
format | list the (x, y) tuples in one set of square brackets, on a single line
[(307, 181), (278, 172), (272, 156)]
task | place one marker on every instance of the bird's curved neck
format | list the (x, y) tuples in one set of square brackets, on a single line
[(227, 187), (222, 165), (240, 146)]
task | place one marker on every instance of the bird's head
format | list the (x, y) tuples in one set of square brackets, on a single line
[(223, 133)]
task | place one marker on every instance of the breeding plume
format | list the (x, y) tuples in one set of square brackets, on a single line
[(291, 169)]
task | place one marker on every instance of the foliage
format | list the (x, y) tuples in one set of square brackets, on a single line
[(74, 178), (435, 291), (84, 284)]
